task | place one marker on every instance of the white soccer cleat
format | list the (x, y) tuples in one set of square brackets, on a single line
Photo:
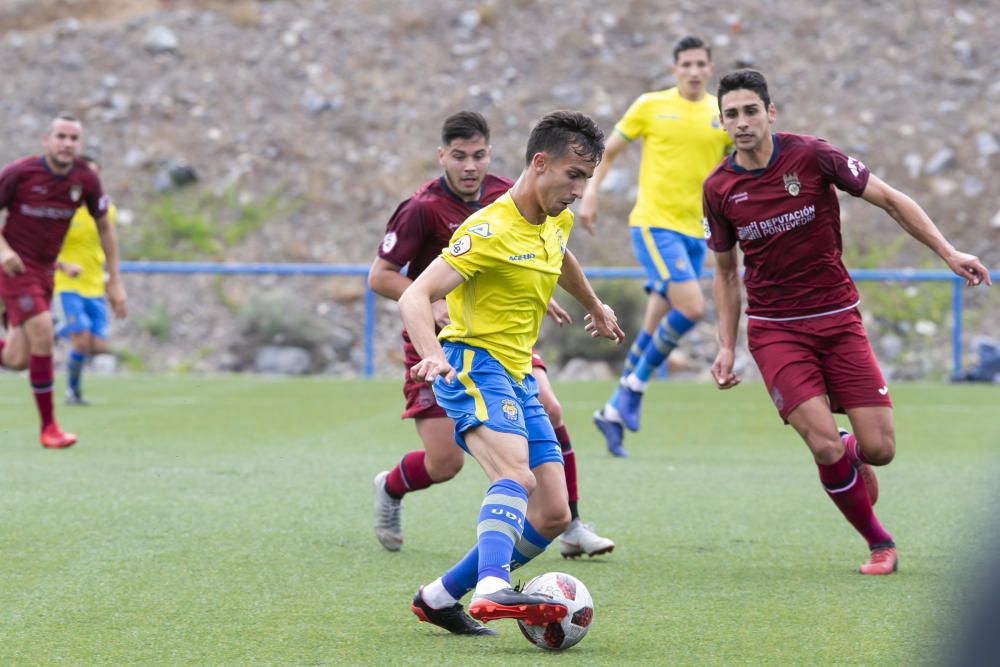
[(580, 539), (388, 520)]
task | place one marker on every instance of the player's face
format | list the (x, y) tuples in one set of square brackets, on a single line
[(465, 162), (562, 181), (62, 143), (745, 118), (692, 70)]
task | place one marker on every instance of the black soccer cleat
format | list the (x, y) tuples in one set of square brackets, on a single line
[(453, 618)]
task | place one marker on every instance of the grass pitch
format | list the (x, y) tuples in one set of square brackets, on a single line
[(227, 521)]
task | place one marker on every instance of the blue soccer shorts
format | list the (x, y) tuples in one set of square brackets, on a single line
[(484, 394), (77, 313), (667, 256)]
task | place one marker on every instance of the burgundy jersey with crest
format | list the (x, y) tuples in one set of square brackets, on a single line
[(423, 224), (40, 205), (786, 219)]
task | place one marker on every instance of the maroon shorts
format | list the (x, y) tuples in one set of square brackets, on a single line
[(420, 402), (830, 355), (25, 295)]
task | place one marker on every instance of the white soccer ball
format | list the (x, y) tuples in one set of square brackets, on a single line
[(570, 591)]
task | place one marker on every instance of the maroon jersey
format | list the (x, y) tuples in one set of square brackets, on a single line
[(40, 205), (423, 224), (786, 219)]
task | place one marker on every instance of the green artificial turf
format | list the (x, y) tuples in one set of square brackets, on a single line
[(227, 521)]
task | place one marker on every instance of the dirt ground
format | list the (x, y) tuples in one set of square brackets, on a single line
[(28, 15)]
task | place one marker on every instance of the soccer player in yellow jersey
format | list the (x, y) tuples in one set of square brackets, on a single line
[(79, 291), (682, 141), (497, 274)]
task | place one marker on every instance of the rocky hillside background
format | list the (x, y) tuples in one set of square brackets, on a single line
[(287, 131)]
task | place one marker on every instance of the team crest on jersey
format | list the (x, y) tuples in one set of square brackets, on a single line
[(75, 191), (792, 184), (460, 246), (562, 241), (389, 241), (482, 229), (509, 409)]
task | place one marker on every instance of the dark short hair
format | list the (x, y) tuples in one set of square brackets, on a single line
[(464, 125), (691, 42), (561, 131), (744, 79)]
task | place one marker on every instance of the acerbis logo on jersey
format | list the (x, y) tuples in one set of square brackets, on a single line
[(389, 241), (482, 229), (461, 246), (856, 166)]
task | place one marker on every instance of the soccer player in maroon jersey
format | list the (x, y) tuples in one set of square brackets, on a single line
[(41, 194), (775, 198), (420, 227)]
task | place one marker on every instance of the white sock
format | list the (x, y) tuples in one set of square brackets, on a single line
[(437, 596), (634, 383), (489, 585), (611, 413)]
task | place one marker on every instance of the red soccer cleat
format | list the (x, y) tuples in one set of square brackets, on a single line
[(53, 437), (883, 561), (511, 603)]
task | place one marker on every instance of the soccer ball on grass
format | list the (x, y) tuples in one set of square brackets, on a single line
[(570, 591)]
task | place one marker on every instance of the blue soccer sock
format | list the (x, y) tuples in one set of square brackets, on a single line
[(74, 369), (639, 345), (531, 544), (501, 523), (665, 339), (461, 578)]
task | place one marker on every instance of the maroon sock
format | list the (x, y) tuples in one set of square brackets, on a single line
[(854, 453), (40, 376), (844, 486), (569, 464), (409, 475)]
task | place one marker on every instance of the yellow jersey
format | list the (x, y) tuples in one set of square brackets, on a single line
[(682, 142), (82, 246), (510, 267)]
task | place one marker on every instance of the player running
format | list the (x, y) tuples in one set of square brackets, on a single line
[(775, 198), (498, 273), (41, 195)]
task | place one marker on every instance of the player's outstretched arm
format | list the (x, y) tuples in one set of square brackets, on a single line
[(587, 213), (911, 217), (600, 319), (418, 317), (726, 293), (115, 288)]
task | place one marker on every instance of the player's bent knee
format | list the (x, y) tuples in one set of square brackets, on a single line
[(827, 453), (441, 470), (882, 451), (525, 478)]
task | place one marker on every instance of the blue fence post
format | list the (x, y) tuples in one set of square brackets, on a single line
[(369, 369), (956, 327)]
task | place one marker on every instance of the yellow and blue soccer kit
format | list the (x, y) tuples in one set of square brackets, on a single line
[(80, 300), (510, 269), (682, 142)]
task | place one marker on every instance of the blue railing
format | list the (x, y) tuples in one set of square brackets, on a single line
[(599, 273)]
